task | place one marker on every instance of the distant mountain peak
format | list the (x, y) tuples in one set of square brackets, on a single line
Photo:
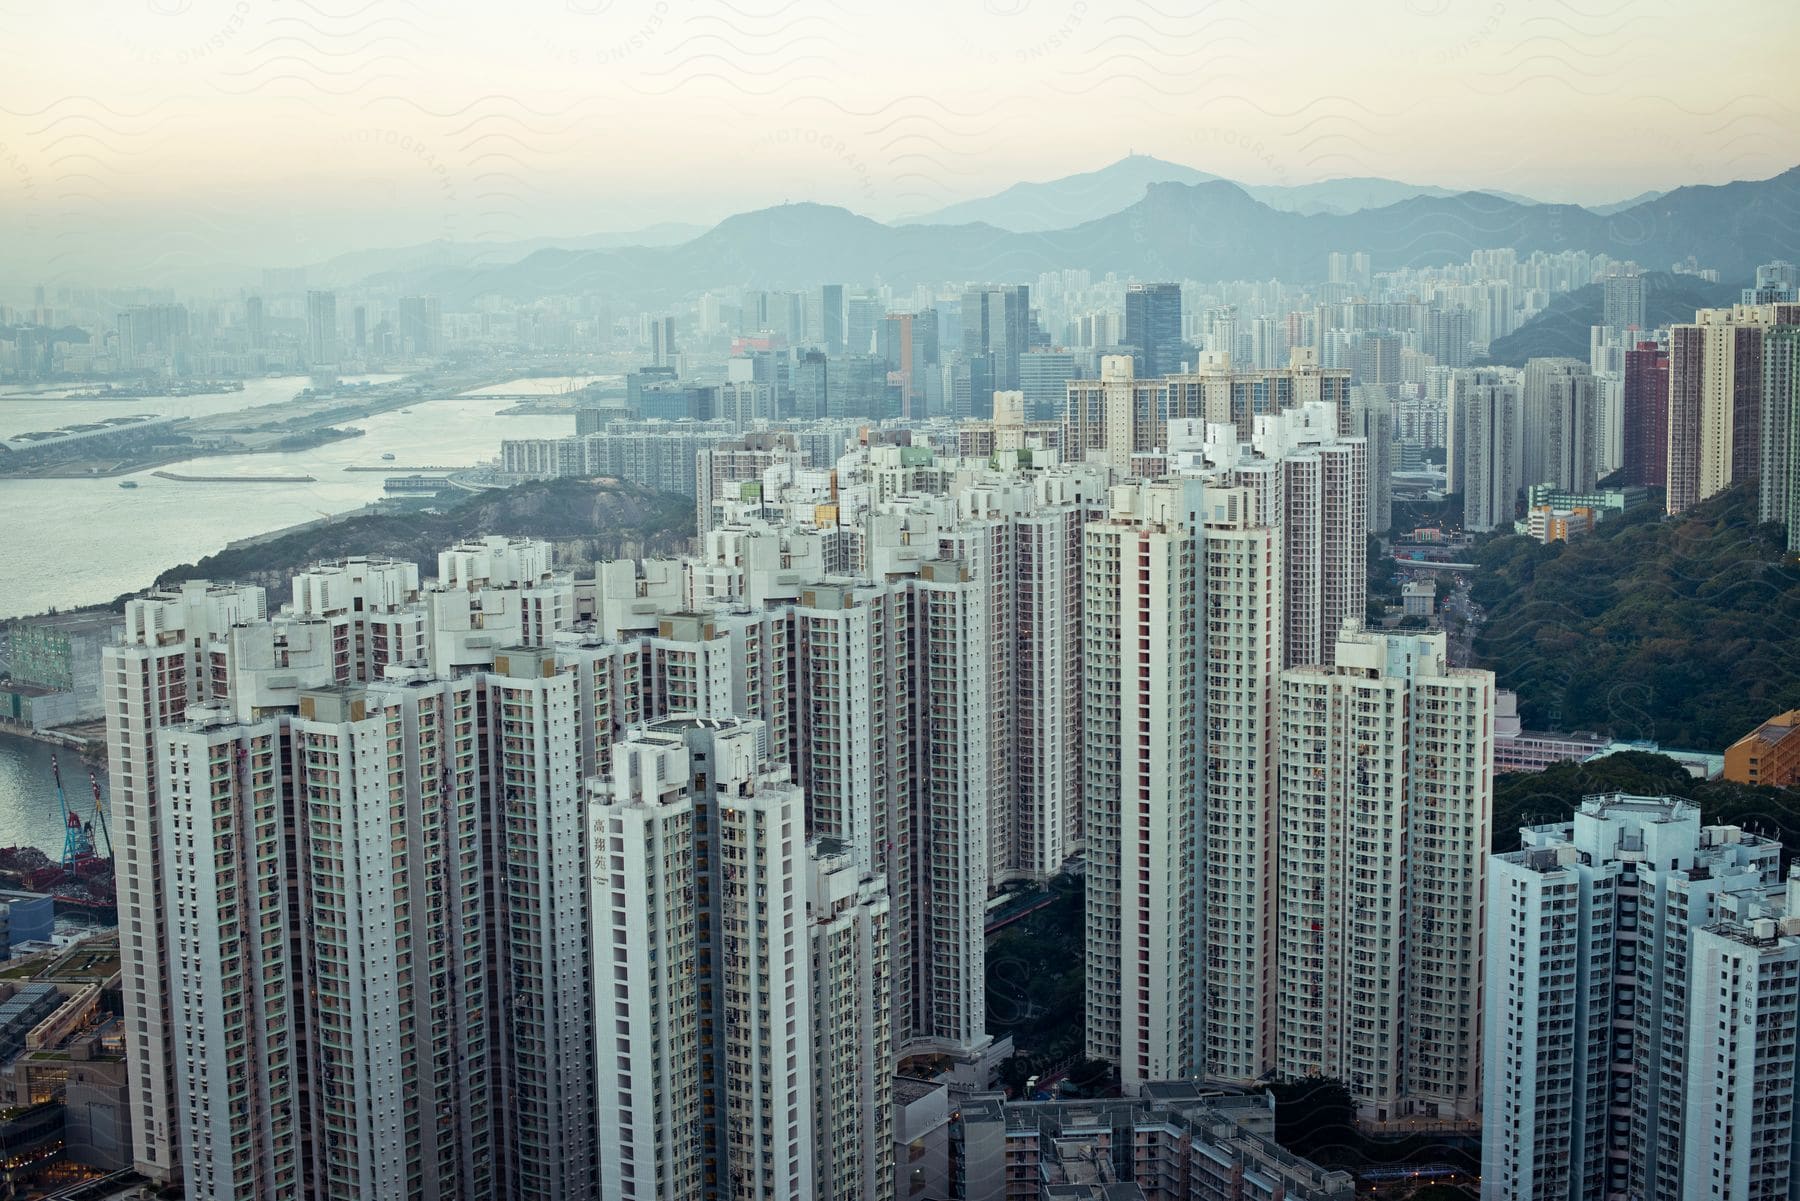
[(1204, 229), (1039, 206)]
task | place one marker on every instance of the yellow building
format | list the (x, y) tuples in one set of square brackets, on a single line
[(1549, 524), (1769, 754)]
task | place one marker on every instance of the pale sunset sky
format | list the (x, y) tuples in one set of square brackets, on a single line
[(277, 132)]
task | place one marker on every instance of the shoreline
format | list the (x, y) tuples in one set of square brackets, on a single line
[(105, 473), (91, 747), (313, 420), (152, 463), (225, 388)]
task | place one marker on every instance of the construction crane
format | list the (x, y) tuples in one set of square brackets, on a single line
[(78, 839), (100, 813)]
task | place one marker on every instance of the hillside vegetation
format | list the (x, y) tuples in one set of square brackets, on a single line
[(1564, 327), (1684, 631), (586, 519), (1540, 798)]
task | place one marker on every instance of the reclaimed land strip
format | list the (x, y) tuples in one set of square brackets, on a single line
[(392, 469), (236, 479)]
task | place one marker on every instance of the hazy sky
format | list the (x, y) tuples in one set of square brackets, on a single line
[(146, 136)]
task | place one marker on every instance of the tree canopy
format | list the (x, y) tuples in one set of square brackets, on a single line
[(1684, 631)]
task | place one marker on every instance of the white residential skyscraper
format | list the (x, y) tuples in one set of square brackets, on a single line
[(1743, 1025), (349, 1062), (1386, 765), (1310, 482), (538, 899), (1641, 990), (372, 605), (1142, 681), (953, 820), (1486, 455), (1560, 424), (392, 956), (231, 985), (1240, 624), (856, 755), (850, 972), (1778, 478), (705, 1071), (162, 665)]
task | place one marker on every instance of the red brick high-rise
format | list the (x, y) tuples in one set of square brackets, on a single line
[(1646, 416)]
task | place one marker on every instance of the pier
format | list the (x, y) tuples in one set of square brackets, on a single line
[(236, 479)]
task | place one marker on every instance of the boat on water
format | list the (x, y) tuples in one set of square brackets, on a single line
[(404, 412), (387, 458), (128, 483)]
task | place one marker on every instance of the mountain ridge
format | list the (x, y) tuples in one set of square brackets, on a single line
[(1213, 229), (1035, 206), (1563, 328)]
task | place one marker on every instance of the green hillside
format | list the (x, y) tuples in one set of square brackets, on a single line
[(587, 519), (1562, 329), (1684, 631), (1539, 798)]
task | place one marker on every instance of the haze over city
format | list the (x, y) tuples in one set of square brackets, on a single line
[(209, 137), (798, 600)]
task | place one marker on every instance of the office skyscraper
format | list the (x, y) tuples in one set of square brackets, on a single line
[(811, 379), (901, 345), (420, 325), (831, 310), (1044, 376), (662, 341), (1153, 328), (996, 324), (862, 315), (321, 329), (1372, 420)]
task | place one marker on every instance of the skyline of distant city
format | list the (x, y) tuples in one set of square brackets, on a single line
[(1037, 600)]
